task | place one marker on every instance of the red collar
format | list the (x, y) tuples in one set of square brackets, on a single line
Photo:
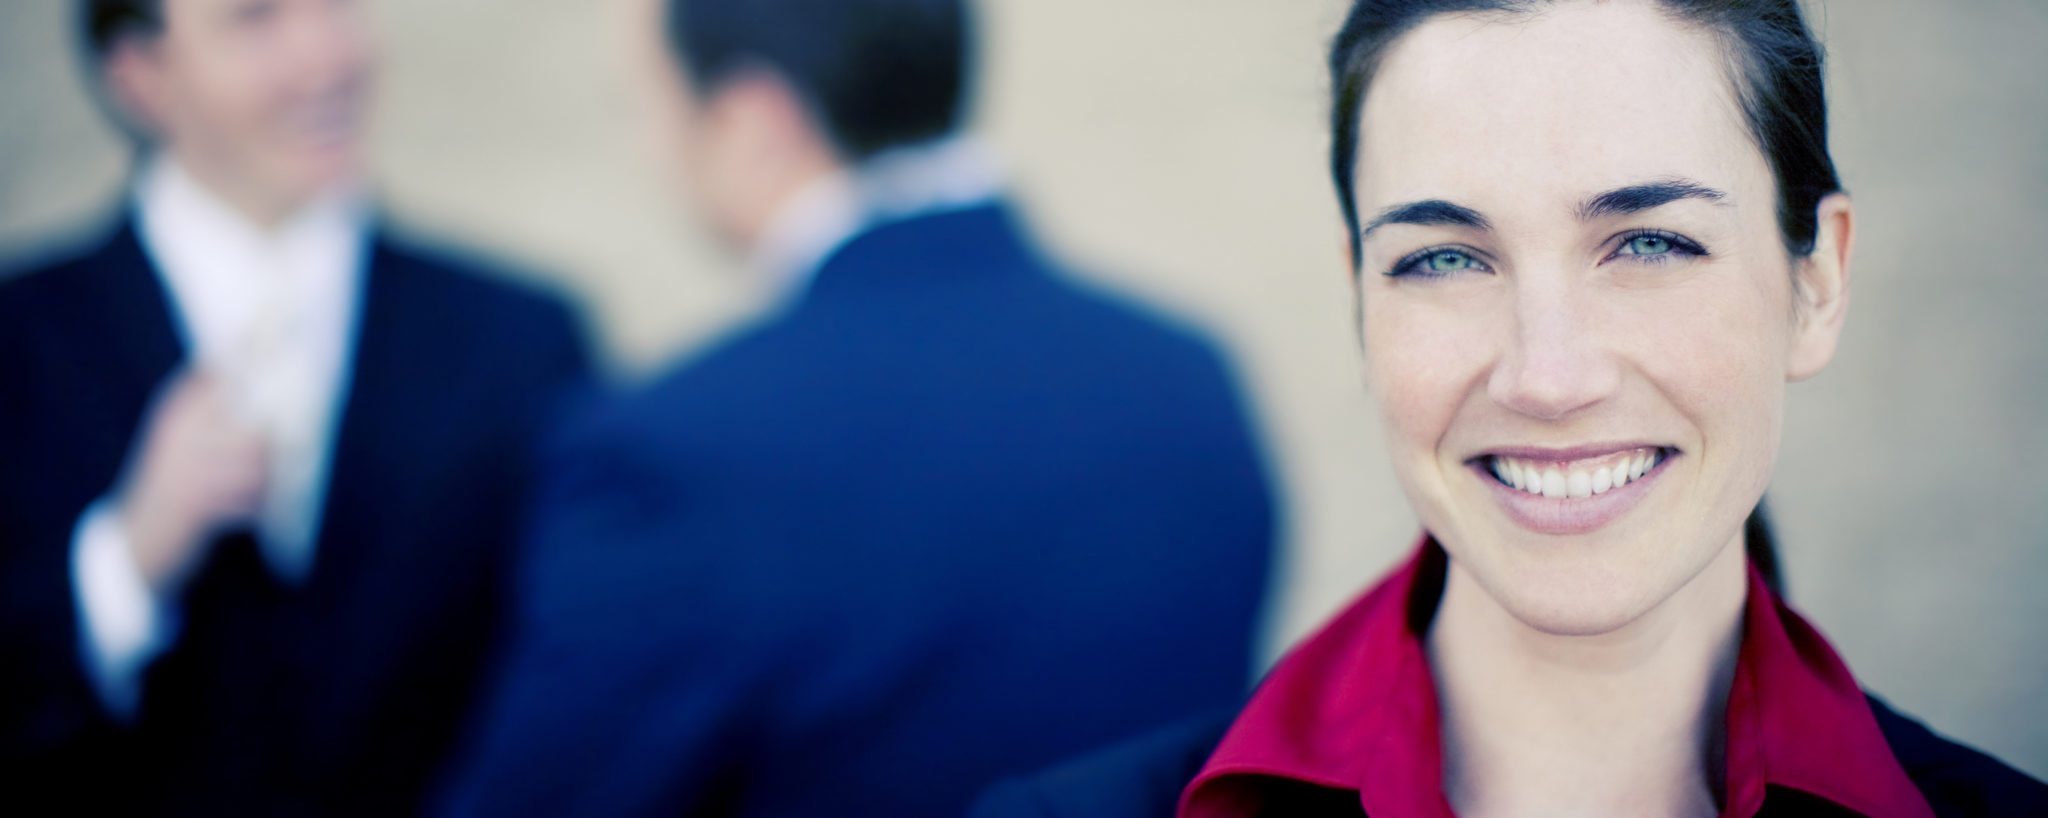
[(1355, 708)]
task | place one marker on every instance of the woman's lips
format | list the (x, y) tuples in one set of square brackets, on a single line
[(1571, 491)]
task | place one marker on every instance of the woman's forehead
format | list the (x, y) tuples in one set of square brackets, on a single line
[(1545, 107)]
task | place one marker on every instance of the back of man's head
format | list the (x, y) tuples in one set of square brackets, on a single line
[(880, 73)]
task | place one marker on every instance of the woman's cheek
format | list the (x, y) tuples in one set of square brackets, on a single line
[(1718, 355), (1421, 359)]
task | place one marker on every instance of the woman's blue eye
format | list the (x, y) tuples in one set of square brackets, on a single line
[(1448, 261), (1442, 261), (1649, 245), (1659, 247)]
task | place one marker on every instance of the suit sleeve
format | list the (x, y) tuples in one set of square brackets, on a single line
[(50, 706), (50, 713), (122, 625), (610, 701)]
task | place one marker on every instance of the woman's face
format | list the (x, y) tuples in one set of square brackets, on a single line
[(1579, 314)]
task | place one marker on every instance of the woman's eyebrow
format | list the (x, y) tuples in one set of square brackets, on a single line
[(1623, 201), (1427, 213), (1620, 201)]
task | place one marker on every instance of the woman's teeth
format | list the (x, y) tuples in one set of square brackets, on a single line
[(1577, 478)]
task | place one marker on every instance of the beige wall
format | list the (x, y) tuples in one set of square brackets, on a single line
[(1174, 149)]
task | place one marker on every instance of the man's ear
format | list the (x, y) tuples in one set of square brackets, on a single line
[(1821, 289), (133, 72), (760, 144), (757, 105)]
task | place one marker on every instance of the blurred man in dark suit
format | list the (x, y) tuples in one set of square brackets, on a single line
[(945, 515), (259, 465)]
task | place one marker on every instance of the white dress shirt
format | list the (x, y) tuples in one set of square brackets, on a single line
[(271, 312), (951, 173)]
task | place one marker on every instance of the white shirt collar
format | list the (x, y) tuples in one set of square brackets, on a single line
[(213, 259), (950, 173), (273, 312)]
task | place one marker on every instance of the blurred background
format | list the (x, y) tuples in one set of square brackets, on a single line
[(1175, 150)]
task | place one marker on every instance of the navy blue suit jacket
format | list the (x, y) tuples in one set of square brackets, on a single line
[(337, 697), (1143, 778), (950, 517)]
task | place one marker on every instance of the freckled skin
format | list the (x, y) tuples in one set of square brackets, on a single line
[(1556, 337)]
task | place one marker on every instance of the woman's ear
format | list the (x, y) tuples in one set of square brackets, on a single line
[(1821, 290)]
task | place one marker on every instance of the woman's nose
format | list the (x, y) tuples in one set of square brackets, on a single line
[(1558, 359)]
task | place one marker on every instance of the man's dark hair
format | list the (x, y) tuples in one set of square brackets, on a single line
[(879, 73), (1775, 64), (102, 26), (106, 22)]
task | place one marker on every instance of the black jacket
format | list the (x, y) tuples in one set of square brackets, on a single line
[(336, 697)]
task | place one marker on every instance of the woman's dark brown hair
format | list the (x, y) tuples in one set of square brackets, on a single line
[(1773, 58)]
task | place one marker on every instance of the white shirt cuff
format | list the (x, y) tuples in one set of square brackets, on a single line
[(121, 624)]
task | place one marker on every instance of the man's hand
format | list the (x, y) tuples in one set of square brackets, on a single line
[(196, 471)]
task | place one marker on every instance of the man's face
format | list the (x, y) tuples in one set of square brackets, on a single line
[(267, 98)]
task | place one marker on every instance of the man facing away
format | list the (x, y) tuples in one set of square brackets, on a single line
[(259, 464), (944, 516)]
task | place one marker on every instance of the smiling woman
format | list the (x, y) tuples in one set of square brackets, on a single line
[(1623, 288), (1592, 242)]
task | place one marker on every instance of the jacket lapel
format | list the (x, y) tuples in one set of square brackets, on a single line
[(131, 313), (357, 466)]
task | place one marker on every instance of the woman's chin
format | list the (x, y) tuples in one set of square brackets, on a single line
[(1582, 615), (1580, 587)]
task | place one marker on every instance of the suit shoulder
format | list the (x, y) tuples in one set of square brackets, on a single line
[(57, 285), (50, 274), (1138, 777), (1126, 313), (1097, 333), (1957, 780), (504, 306), (750, 359), (485, 284), (684, 398), (1184, 364), (26, 293)]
